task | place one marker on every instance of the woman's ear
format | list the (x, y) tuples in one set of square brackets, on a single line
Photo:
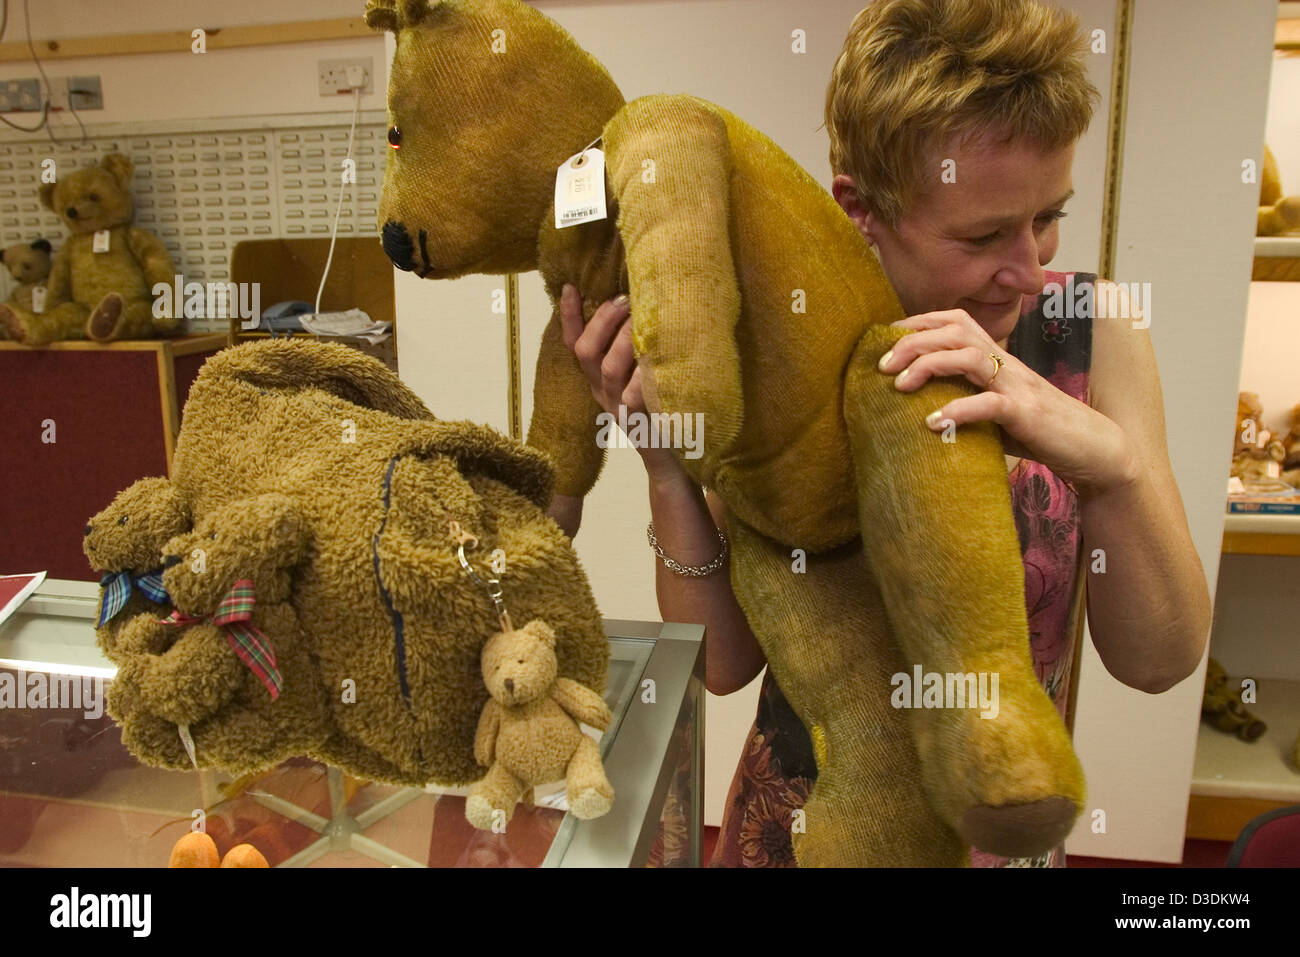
[(846, 194)]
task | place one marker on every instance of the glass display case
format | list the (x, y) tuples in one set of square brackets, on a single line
[(72, 796)]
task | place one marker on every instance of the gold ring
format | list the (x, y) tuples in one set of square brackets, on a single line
[(997, 366)]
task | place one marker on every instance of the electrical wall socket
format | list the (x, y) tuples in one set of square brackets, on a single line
[(20, 96), (333, 75), (84, 92)]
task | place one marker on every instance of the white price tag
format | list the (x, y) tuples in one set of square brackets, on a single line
[(1273, 469), (580, 189), (101, 241), (38, 299)]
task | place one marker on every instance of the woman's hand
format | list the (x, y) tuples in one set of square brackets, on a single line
[(1038, 420), (604, 351)]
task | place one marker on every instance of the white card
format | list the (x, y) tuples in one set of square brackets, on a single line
[(101, 241), (580, 189), (38, 299)]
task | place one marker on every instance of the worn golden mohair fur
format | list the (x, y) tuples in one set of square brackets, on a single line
[(330, 484), (106, 294), (528, 732), (758, 307), (189, 675), (129, 536), (1277, 213)]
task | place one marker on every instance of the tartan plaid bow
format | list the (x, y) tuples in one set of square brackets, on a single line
[(235, 614), (117, 589)]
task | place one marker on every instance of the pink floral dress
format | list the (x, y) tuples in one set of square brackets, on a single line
[(777, 768)]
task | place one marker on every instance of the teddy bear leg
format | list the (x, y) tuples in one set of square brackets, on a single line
[(824, 631), (107, 321), (491, 801), (996, 758), (588, 789), (191, 679), (61, 322)]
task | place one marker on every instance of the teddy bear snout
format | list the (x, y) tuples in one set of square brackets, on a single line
[(398, 246), (510, 685), (170, 560), (71, 212)]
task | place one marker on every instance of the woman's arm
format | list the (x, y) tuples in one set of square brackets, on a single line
[(684, 522), (1149, 613)]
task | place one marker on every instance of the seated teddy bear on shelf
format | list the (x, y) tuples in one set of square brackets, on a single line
[(230, 673), (29, 264), (101, 283)]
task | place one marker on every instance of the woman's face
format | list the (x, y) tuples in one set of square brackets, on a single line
[(978, 237)]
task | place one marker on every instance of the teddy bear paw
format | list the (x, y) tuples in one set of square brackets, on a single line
[(590, 803), (13, 324), (480, 812), (103, 322)]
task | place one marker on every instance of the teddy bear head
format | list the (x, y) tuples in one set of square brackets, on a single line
[(520, 666), (27, 262), (260, 539), (94, 198), (130, 534), (485, 101)]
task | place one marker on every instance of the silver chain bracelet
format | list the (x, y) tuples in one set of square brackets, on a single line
[(697, 571)]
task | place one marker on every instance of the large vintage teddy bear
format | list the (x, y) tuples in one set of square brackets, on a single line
[(230, 671), (124, 543), (1277, 213), (714, 232), (101, 284), (528, 731), (29, 264), (326, 481)]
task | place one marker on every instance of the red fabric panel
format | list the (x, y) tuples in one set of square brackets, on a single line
[(108, 433), (1276, 843)]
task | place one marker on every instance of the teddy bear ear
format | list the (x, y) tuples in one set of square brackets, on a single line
[(540, 630), (47, 195), (42, 244), (120, 167), (381, 15)]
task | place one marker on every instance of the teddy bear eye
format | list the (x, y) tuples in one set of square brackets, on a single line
[(394, 137), (212, 535), (94, 197), (122, 520)]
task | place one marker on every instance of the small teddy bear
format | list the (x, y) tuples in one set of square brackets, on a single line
[(29, 264), (1291, 442), (197, 849), (124, 543), (1277, 213), (231, 668), (101, 283), (528, 731), (1222, 707), (1256, 452)]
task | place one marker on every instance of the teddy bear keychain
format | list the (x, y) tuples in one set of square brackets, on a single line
[(528, 730)]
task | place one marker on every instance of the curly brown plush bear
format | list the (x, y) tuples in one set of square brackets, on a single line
[(29, 264), (528, 732), (232, 667), (101, 284), (124, 543)]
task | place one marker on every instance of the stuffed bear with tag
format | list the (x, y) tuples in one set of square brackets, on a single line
[(28, 264), (759, 314), (528, 731), (101, 283)]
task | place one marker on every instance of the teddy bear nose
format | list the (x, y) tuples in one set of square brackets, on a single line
[(398, 246), (72, 212), (510, 685), (86, 530), (170, 560)]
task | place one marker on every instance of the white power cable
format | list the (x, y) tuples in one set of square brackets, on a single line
[(334, 232)]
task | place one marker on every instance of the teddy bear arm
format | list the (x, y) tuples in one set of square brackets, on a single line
[(485, 737), (581, 703), (58, 284), (153, 257), (565, 415), (681, 274)]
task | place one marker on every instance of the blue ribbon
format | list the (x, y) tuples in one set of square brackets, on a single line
[(117, 589)]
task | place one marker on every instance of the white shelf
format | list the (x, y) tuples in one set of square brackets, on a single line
[(1284, 247), (1262, 524), (1228, 767)]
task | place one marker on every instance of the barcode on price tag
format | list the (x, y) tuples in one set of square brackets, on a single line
[(580, 189)]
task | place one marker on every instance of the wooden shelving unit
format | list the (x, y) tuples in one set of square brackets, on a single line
[(1261, 535)]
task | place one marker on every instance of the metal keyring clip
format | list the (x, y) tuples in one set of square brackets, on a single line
[(492, 584)]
